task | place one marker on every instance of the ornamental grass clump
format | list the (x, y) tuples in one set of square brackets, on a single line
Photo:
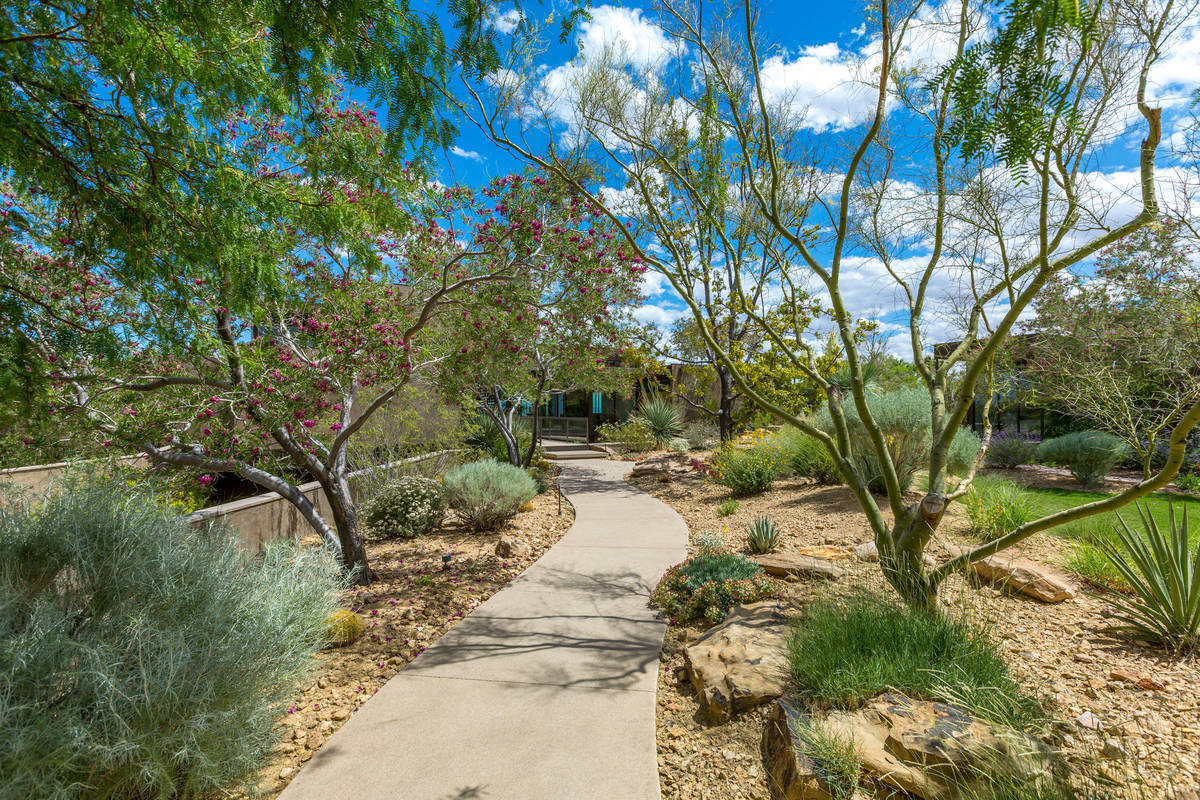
[(996, 507), (487, 493), (745, 471), (805, 457), (141, 658), (707, 586), (1090, 455), (405, 508)]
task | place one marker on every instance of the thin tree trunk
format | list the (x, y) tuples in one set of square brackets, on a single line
[(725, 404), (345, 519)]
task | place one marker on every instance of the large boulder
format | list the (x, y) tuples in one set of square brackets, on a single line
[(792, 774), (741, 663), (784, 564), (512, 547), (924, 747), (1025, 577)]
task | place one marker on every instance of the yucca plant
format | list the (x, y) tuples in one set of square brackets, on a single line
[(1164, 573), (763, 534), (665, 420)]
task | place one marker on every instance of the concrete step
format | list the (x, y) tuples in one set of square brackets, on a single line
[(573, 455)]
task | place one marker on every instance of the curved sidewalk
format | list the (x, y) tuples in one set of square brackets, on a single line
[(544, 692)]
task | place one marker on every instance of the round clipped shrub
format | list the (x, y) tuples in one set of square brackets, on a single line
[(745, 471), (344, 627), (407, 507), (707, 586), (141, 658), (1090, 455), (486, 493), (1011, 449), (679, 444)]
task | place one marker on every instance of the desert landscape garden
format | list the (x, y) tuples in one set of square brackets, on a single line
[(691, 401)]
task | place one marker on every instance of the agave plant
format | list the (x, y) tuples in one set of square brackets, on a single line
[(665, 420), (763, 534), (1165, 578)]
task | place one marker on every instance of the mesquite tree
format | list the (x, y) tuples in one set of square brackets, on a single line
[(966, 176), (372, 262), (563, 325), (1122, 347)]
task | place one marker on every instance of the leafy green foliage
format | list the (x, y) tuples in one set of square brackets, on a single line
[(806, 457), (487, 493), (996, 507), (708, 543), (1011, 92), (707, 586), (664, 419), (1165, 577), (1090, 455), (140, 657), (745, 471), (405, 508), (636, 435), (727, 507), (762, 535), (700, 435), (844, 651)]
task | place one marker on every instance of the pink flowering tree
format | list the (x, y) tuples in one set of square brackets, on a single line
[(371, 268), (563, 325)]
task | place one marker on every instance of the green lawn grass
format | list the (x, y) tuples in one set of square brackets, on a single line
[(1085, 558)]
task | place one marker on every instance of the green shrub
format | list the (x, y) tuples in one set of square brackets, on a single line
[(1165, 577), (541, 479), (728, 507), (963, 449), (903, 416), (1011, 449), (843, 652), (701, 435), (679, 444), (996, 507), (664, 419), (762, 534), (745, 471), (484, 437), (1189, 483), (486, 493), (1090, 455), (805, 457), (707, 586), (636, 435), (141, 658), (405, 508), (709, 543)]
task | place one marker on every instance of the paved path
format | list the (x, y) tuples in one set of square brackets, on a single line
[(544, 692)]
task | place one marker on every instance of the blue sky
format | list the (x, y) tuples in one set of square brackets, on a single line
[(818, 46)]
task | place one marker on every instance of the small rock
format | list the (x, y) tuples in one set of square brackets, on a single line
[(1113, 749), (1085, 658), (1089, 720), (867, 551), (1123, 677), (512, 547), (677, 732), (286, 773), (314, 740), (729, 755), (1024, 577), (340, 714), (1151, 684)]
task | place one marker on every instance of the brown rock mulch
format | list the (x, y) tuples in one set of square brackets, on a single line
[(410, 605), (1145, 700)]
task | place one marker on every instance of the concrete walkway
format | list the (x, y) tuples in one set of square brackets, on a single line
[(544, 692)]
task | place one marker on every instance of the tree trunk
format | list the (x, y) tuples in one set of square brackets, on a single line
[(345, 520), (902, 552), (725, 404)]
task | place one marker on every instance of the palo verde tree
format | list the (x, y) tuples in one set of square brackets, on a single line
[(372, 259), (563, 324), (965, 175), (1121, 347)]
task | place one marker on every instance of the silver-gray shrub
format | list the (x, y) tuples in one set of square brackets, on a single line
[(406, 507), (141, 658), (486, 493), (904, 417), (1090, 455)]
